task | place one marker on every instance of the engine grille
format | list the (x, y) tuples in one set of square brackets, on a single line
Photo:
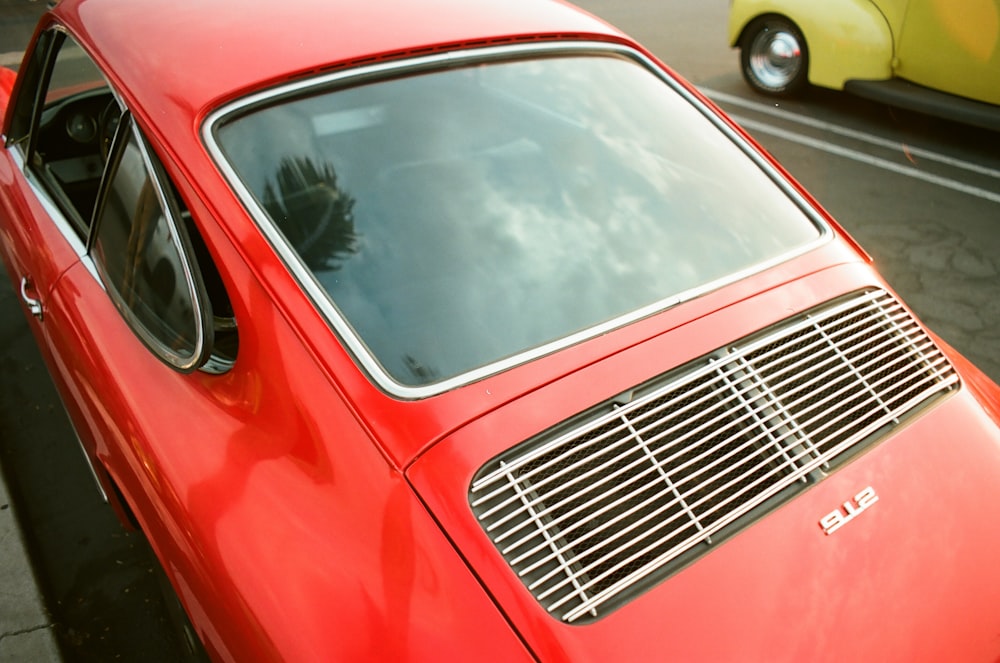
[(609, 503)]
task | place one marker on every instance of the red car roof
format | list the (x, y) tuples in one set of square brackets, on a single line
[(190, 55)]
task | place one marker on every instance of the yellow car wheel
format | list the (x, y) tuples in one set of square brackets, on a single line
[(773, 56)]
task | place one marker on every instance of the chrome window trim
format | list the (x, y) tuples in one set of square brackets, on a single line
[(325, 303), (52, 210), (200, 353), (82, 246)]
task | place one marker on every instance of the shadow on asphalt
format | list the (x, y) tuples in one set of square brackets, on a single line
[(98, 579)]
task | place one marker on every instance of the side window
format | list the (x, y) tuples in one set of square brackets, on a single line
[(29, 86), (144, 260), (71, 130), (94, 164), (73, 73)]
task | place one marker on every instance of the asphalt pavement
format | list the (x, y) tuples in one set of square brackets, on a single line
[(17, 22), (27, 629), (75, 585)]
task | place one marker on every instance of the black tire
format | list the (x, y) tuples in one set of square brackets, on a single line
[(191, 649), (774, 58)]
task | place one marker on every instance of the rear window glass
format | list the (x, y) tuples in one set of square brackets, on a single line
[(462, 218)]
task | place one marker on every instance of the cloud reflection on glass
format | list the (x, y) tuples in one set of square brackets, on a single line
[(497, 208)]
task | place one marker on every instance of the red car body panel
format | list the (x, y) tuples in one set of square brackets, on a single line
[(888, 586), (244, 458), (7, 80), (275, 45), (35, 251), (335, 524)]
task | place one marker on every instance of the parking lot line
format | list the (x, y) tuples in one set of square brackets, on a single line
[(855, 155), (765, 109), (11, 58)]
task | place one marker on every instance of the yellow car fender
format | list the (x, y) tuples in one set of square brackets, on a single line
[(845, 39)]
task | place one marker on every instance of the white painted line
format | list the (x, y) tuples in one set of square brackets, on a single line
[(789, 116), (15, 57), (11, 58), (868, 159)]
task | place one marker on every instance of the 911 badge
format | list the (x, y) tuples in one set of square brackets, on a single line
[(850, 510)]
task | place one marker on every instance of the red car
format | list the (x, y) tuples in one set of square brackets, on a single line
[(467, 331)]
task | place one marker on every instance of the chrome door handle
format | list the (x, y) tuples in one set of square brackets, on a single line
[(34, 305)]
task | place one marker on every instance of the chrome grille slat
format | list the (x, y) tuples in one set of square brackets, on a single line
[(820, 413), (550, 478), (613, 553), (830, 359), (621, 444), (622, 497), (596, 424), (512, 547), (563, 565), (652, 545), (596, 470), (680, 497), (585, 515), (692, 406)]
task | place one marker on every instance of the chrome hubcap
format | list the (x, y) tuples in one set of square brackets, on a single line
[(775, 58)]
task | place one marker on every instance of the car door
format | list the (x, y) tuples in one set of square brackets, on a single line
[(96, 238), (951, 46), (38, 241)]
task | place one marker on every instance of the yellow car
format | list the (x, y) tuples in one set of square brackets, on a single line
[(940, 57)]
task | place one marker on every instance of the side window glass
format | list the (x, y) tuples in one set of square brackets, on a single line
[(73, 73), (30, 83), (69, 142), (156, 267), (143, 259)]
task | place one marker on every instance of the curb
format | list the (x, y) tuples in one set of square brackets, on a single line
[(26, 629)]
